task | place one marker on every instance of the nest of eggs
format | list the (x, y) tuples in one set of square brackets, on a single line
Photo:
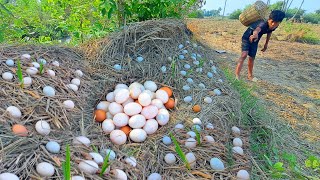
[(106, 63)]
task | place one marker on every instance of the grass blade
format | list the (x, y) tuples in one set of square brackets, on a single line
[(105, 165), (198, 136), (66, 166), (41, 67), (19, 74), (179, 151)]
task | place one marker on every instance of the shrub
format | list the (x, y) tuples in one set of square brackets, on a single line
[(235, 14)]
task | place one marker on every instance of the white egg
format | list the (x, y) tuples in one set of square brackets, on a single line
[(209, 139), (199, 55), (185, 51), (122, 86), (73, 87), (119, 174), (166, 140), (43, 128), (196, 63), (135, 92), (235, 130), (217, 92), (120, 119), (75, 81), (131, 161), (214, 68), (237, 142), (139, 59), (210, 75), (27, 81), (50, 73), (180, 46), (209, 126), (122, 96), (118, 137), (109, 115), (181, 57), (88, 166), (8, 76), (53, 147), (151, 126), (170, 58), (189, 80), (151, 94), (129, 100), (170, 158), (151, 86), (179, 126), (103, 105), (190, 143), (115, 108), (220, 80), (45, 169), (187, 66), (8, 176), (163, 69), (196, 121), (149, 112), (183, 73), (201, 85), (196, 127), (186, 88), (207, 100), (243, 175), (191, 159), (237, 150), (35, 64), (216, 164), (144, 99), (187, 99), (14, 112), (154, 176), (77, 178), (81, 140), (110, 97), (32, 70), (191, 134), (68, 104), (132, 108), (43, 61), (162, 95), (96, 157), (25, 56), (138, 135), (194, 45), (56, 63), (137, 121), (117, 67), (115, 92), (199, 70), (158, 103), (78, 73), (112, 154), (163, 117), (9, 62), (108, 126), (49, 91)]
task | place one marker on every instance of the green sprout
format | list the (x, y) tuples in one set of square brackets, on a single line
[(66, 166), (105, 165), (180, 152), (19, 74)]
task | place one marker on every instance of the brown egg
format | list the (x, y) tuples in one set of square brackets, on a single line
[(19, 130), (170, 104), (168, 90), (100, 115), (196, 108), (126, 129)]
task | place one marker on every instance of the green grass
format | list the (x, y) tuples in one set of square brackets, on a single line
[(180, 152), (198, 136), (66, 166), (105, 164), (41, 69), (19, 74)]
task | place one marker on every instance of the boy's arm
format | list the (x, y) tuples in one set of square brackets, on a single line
[(267, 41), (254, 35)]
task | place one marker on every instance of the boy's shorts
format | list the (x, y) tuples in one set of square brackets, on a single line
[(252, 48)]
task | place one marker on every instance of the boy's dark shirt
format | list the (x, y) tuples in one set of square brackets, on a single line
[(264, 29)]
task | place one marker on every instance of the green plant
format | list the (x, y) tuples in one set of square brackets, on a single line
[(105, 164), (41, 69), (180, 152), (313, 162), (19, 74), (235, 14), (66, 165), (173, 68), (198, 136), (95, 149)]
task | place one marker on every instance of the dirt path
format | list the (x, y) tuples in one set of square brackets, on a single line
[(288, 73)]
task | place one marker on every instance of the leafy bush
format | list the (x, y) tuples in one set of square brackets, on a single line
[(312, 18), (300, 33), (196, 14), (235, 14)]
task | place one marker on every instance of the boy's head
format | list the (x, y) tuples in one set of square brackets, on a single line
[(275, 18)]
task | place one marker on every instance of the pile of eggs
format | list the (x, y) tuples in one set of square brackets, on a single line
[(136, 111)]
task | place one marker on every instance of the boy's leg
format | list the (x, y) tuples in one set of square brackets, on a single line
[(240, 63), (250, 67)]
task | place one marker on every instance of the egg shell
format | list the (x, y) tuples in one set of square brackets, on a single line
[(68, 104), (237, 142), (131, 161), (43, 61), (162, 117), (27, 81), (187, 66), (105, 152), (162, 95), (137, 121), (119, 174), (138, 135), (115, 108), (186, 87), (126, 129), (191, 159), (135, 92), (150, 85), (56, 63), (32, 70), (154, 176), (179, 126), (110, 97), (216, 164), (202, 86), (108, 126), (209, 126), (196, 121), (117, 67), (183, 73), (195, 62), (187, 99), (88, 166), (103, 105), (19, 130), (77, 178), (120, 119), (243, 175), (50, 73), (190, 143), (109, 115), (25, 56), (144, 99), (118, 137), (170, 158), (122, 86), (166, 140), (122, 96), (35, 64), (96, 157), (139, 59), (191, 134), (78, 73), (100, 115), (181, 57), (149, 112), (43, 128), (163, 69), (8, 176), (180, 46), (151, 126), (8, 76), (53, 147), (151, 94), (235, 130), (196, 108), (194, 45), (209, 74), (207, 100), (168, 90), (81, 140), (170, 104), (185, 51), (158, 103), (76, 81), (10, 62), (45, 169), (49, 91), (129, 100), (14, 112), (217, 92), (209, 139), (237, 150), (189, 80), (132, 108), (73, 87)]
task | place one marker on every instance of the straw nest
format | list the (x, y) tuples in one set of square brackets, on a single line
[(157, 42)]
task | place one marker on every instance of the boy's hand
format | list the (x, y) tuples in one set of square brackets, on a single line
[(253, 38), (264, 48)]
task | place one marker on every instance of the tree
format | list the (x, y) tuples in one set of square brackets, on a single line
[(298, 10), (235, 14)]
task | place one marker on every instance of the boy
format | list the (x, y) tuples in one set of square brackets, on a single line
[(251, 37)]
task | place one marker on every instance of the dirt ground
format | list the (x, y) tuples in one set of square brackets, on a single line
[(288, 72)]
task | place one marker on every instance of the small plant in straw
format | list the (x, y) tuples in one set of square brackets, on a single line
[(105, 164), (180, 152), (198, 136), (94, 148), (66, 165), (173, 68), (41, 68), (19, 74)]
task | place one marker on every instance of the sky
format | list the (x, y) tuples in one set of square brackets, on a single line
[(309, 5)]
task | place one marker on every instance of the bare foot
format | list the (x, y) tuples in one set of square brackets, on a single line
[(253, 79), (237, 77)]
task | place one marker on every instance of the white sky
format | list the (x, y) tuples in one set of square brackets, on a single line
[(309, 5)]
